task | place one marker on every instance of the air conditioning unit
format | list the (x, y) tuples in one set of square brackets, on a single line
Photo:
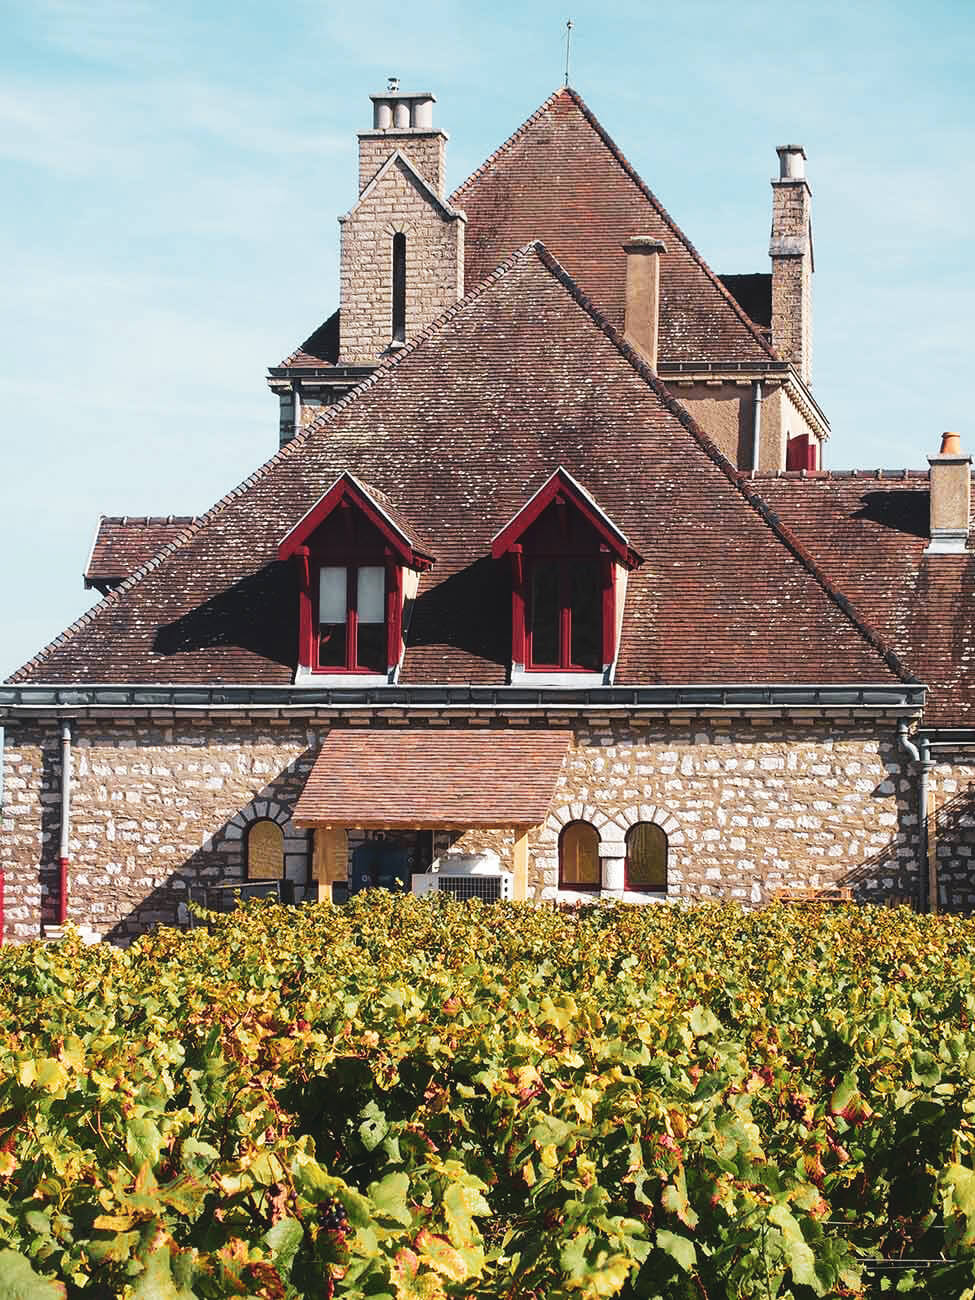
[(466, 875)]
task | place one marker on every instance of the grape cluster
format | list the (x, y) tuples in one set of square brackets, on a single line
[(333, 1216)]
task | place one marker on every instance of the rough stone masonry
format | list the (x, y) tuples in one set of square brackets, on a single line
[(748, 808)]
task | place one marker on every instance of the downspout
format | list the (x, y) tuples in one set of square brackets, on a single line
[(756, 422), (62, 914), (922, 757), (1, 814)]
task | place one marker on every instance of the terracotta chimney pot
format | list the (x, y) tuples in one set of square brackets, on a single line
[(950, 444)]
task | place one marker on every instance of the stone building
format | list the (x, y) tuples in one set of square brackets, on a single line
[(544, 593)]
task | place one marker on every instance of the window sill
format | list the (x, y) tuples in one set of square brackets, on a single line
[(308, 677), (542, 677), (587, 896)]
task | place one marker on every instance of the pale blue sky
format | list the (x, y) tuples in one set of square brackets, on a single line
[(172, 173)]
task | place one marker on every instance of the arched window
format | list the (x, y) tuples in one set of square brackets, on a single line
[(265, 851), (399, 288), (646, 858), (579, 857)]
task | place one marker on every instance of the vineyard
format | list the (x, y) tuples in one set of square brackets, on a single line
[(420, 1099)]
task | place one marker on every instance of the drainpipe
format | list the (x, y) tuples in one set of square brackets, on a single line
[(924, 761), (65, 821), (1, 814), (756, 421)]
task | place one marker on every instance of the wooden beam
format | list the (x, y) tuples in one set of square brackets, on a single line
[(329, 859), (519, 885)]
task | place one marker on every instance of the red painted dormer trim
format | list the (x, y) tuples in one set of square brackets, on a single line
[(563, 485), (347, 488)]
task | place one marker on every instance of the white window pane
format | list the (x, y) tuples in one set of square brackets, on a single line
[(332, 594), (371, 601)]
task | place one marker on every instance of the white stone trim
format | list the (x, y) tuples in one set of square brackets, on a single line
[(612, 831), (258, 810)]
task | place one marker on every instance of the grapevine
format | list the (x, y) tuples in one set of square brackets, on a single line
[(421, 1098)]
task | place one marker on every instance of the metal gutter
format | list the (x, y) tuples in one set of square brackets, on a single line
[(902, 699)]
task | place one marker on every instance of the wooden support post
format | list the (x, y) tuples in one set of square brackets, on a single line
[(932, 854), (519, 885), (329, 859)]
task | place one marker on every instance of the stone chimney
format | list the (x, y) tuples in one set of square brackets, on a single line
[(641, 326), (791, 251), (404, 121), (402, 244), (951, 498)]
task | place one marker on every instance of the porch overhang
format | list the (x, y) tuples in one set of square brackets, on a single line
[(423, 778)]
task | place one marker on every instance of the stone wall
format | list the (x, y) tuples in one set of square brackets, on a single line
[(748, 808), (952, 803), (155, 811), (724, 412), (434, 264), (426, 150), (792, 274)]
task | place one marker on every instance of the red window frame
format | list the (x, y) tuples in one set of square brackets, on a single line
[(352, 568), (641, 886), (308, 624), (521, 630), (564, 569), (592, 887)]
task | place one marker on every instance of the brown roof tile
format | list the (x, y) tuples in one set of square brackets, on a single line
[(123, 543), (869, 530), (464, 424), (431, 778), (562, 180)]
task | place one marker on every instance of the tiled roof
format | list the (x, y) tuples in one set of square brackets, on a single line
[(123, 543), (416, 777), (459, 428), (562, 180), (869, 530)]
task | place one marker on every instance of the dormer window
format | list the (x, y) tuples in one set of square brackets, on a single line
[(352, 631), (564, 615), (568, 573), (358, 565)]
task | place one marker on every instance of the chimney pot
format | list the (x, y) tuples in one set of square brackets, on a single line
[(950, 444), (792, 162), (392, 85)]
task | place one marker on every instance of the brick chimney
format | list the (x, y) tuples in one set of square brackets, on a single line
[(791, 251), (404, 121), (951, 498), (641, 326)]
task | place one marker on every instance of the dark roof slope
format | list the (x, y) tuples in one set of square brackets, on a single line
[(753, 293), (561, 179), (869, 530), (466, 422), (123, 543), (320, 348)]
